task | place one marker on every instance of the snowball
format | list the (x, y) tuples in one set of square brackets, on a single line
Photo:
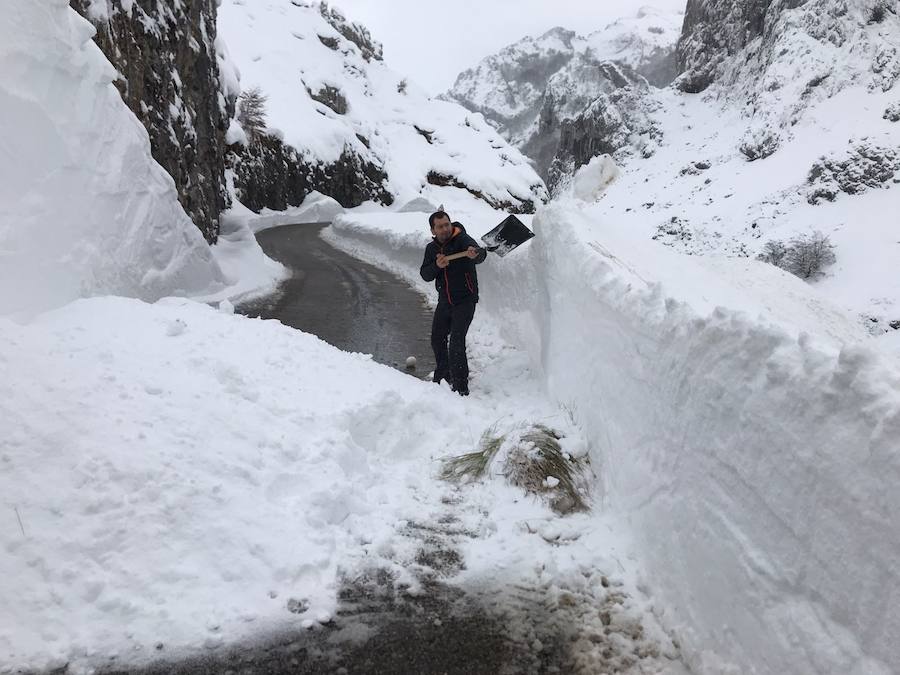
[(226, 307), (411, 362), (176, 328), (551, 482)]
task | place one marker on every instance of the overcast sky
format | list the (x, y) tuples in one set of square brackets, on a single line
[(432, 41)]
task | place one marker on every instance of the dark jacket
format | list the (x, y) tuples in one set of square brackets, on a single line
[(458, 282)]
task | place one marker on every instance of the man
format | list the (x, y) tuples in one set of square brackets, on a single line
[(457, 285)]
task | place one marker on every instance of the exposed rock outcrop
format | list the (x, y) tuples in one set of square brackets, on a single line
[(270, 174)]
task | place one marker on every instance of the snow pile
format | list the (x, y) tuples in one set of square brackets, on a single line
[(591, 180), (316, 208), (177, 491), (328, 91), (156, 517), (744, 426), (418, 205), (248, 271), (84, 209)]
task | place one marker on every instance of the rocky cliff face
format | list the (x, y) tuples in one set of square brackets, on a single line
[(270, 174), (785, 55), (617, 120), (169, 77), (714, 30)]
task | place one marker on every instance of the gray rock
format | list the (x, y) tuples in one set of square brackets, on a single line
[(270, 174)]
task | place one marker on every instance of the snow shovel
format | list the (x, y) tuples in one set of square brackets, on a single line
[(504, 238)]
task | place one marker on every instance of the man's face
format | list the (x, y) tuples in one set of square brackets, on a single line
[(442, 229)]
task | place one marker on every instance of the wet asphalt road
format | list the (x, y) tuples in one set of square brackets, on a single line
[(349, 304)]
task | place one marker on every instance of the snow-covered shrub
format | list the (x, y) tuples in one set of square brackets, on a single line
[(892, 113), (804, 256), (759, 144), (534, 460), (773, 253), (539, 465), (251, 113), (474, 465), (808, 254), (402, 85)]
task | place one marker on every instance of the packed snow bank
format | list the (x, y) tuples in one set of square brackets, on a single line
[(248, 271), (177, 492), (175, 487), (84, 209), (316, 208), (742, 425), (751, 438)]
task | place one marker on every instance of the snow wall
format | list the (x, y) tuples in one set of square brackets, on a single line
[(84, 208), (752, 441)]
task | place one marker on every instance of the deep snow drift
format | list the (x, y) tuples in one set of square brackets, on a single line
[(746, 428), (176, 490), (84, 209)]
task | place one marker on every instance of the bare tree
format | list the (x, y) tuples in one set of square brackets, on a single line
[(808, 254), (252, 111), (773, 253)]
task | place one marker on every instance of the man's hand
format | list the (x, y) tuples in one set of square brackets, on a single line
[(472, 252), (441, 261)]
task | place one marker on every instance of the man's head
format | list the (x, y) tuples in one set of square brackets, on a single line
[(441, 227)]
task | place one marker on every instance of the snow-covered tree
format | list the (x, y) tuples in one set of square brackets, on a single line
[(252, 111)]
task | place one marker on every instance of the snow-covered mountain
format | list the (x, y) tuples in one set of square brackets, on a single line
[(332, 99), (782, 122), (529, 88)]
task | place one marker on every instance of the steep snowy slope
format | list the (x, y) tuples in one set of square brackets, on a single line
[(793, 133), (84, 209), (329, 93)]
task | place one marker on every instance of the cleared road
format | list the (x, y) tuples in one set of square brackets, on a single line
[(349, 304)]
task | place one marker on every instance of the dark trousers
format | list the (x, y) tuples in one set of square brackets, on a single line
[(452, 321)]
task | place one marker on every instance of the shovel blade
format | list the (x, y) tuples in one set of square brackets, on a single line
[(507, 236)]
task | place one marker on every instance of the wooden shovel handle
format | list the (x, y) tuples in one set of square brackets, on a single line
[(456, 256)]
